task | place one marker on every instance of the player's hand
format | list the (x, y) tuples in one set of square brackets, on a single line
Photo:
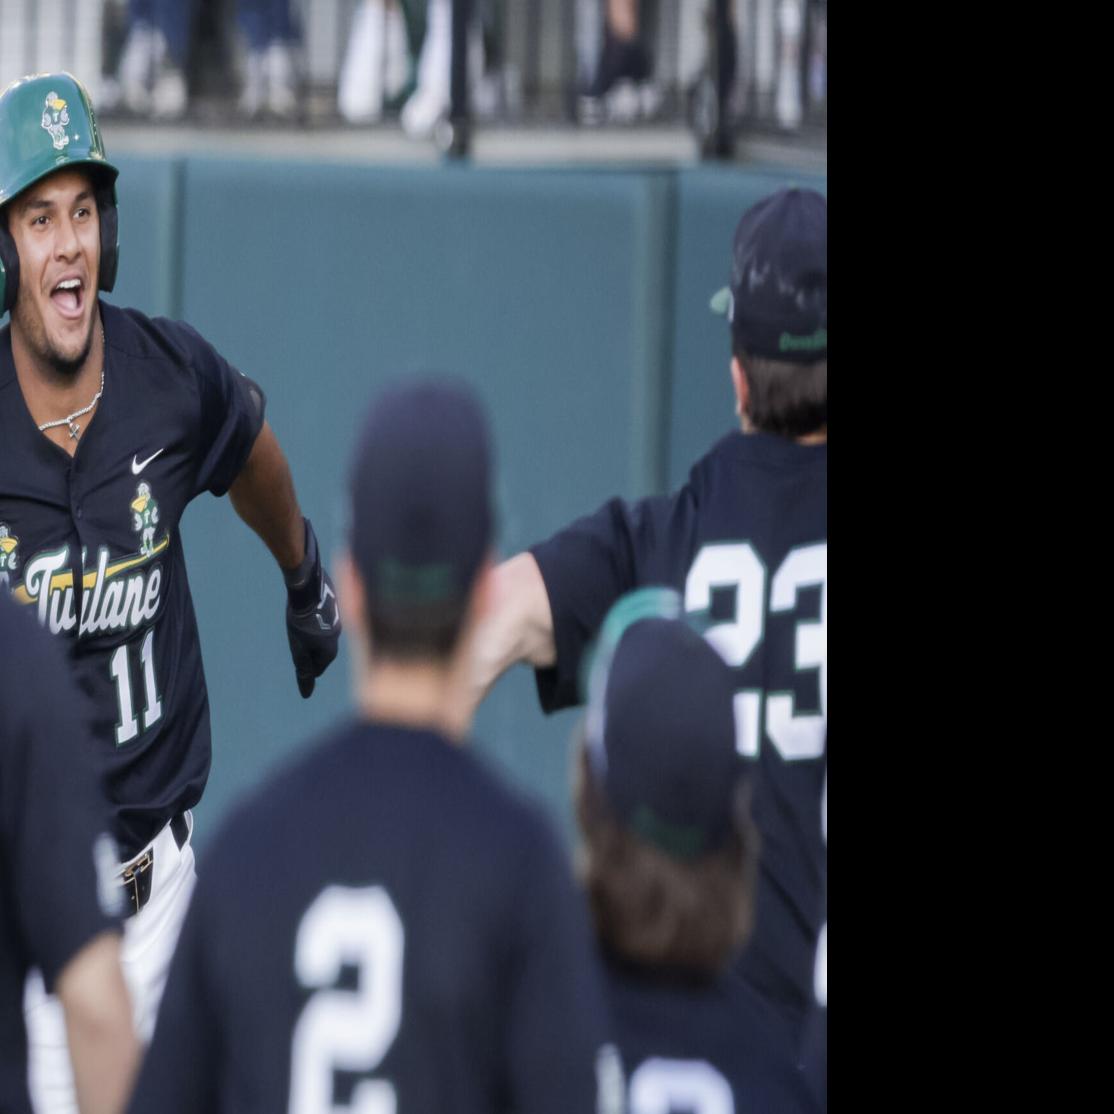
[(312, 618)]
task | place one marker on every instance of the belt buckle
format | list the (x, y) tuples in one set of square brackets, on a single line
[(130, 880)]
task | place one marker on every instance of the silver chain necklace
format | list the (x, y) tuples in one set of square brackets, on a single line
[(69, 419)]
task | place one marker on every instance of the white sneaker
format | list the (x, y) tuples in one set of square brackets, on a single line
[(134, 71), (787, 102), (278, 67), (360, 89), (169, 96), (396, 64), (111, 94), (250, 103), (431, 99), (421, 112), (626, 102)]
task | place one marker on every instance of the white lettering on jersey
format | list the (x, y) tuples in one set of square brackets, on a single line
[(114, 598), (661, 1086), (736, 566), (343, 1029)]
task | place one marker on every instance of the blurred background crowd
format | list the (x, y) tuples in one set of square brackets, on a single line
[(718, 67)]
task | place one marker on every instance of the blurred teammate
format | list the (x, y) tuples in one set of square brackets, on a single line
[(814, 1051), (669, 859), (59, 904), (111, 422), (154, 62), (384, 926), (745, 542)]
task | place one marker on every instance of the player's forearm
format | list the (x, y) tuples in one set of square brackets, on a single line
[(521, 581), (104, 1049), (263, 495), (520, 627)]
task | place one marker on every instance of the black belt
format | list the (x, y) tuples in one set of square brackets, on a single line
[(137, 876)]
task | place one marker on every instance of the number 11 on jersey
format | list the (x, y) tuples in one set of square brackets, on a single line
[(127, 724)]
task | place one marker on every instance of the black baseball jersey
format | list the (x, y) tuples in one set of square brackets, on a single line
[(814, 1057), (814, 1054), (745, 542), (384, 919), (54, 819), (92, 549), (701, 1047)]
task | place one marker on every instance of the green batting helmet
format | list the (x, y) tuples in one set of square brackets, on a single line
[(47, 124)]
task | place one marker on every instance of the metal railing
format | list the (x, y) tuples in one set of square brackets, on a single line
[(720, 68)]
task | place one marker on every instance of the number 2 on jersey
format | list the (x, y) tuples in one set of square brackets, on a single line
[(127, 726), (346, 1030), (661, 1086), (737, 566)]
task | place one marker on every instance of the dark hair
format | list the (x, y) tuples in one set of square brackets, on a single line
[(785, 398), (425, 632), (656, 910)]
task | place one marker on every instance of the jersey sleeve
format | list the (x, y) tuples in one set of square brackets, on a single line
[(54, 813), (232, 409), (181, 1069), (557, 1025), (588, 565)]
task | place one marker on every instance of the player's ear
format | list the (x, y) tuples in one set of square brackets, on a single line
[(351, 598), (742, 387), (483, 591)]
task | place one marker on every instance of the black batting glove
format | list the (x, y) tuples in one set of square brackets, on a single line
[(312, 619)]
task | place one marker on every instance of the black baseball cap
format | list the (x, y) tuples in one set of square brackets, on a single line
[(421, 513), (660, 733), (777, 301)]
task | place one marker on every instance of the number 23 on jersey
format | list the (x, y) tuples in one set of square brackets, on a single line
[(736, 566)]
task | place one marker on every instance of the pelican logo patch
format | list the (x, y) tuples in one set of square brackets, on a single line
[(145, 517), (56, 118), (9, 558)]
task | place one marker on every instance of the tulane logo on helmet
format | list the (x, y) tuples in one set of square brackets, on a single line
[(56, 119)]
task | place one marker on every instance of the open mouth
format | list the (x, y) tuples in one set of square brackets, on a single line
[(69, 297)]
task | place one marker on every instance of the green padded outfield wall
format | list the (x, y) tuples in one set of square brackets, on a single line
[(323, 284), (149, 200), (567, 297)]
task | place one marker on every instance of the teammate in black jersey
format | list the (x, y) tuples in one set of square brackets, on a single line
[(111, 422), (814, 1052), (669, 860), (59, 904), (745, 542), (385, 925)]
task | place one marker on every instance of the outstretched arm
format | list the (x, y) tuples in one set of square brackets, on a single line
[(519, 627), (263, 495), (104, 1049)]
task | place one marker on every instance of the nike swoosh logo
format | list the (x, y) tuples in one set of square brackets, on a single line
[(138, 467)]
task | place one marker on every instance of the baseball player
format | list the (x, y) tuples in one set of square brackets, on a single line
[(59, 902), (669, 857), (111, 423), (745, 542), (421, 946), (814, 1055)]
